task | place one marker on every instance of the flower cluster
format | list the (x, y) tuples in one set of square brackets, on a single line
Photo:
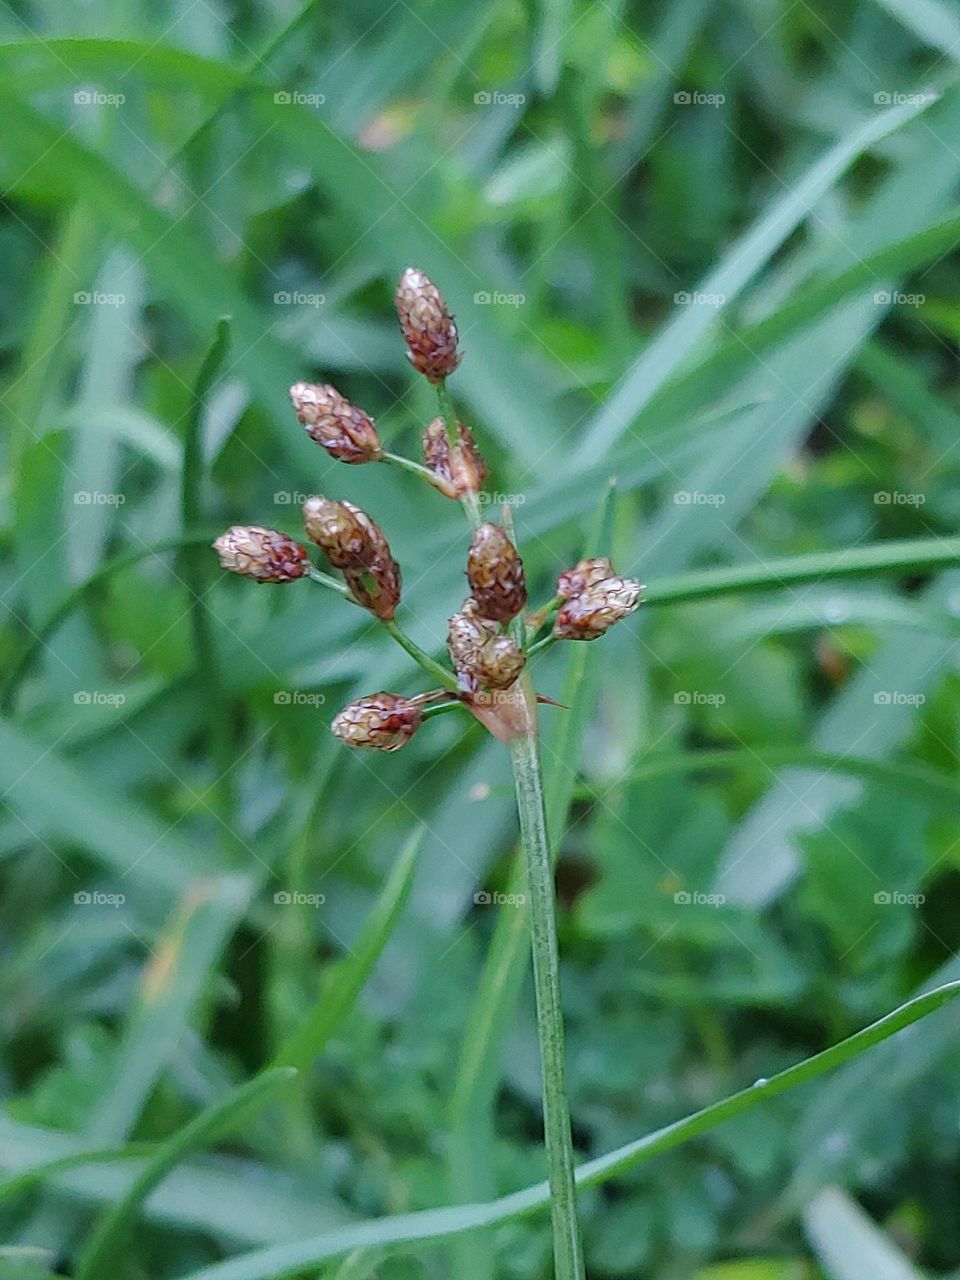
[(491, 636)]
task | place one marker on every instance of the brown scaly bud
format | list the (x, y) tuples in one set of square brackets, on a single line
[(377, 588), (585, 573), (498, 663), (436, 455), (495, 574), (467, 633), (428, 327), (344, 532), (345, 431), (458, 469), (468, 467), (380, 722), (596, 609), (265, 555)]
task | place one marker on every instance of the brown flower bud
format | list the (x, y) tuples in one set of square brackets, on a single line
[(596, 609), (495, 574), (380, 721), (263, 554), (436, 455), (428, 327), (459, 469), (344, 532), (467, 633), (355, 544), (498, 663), (468, 467), (377, 587), (345, 431), (585, 573)]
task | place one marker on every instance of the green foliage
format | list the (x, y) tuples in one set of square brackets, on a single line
[(743, 310)]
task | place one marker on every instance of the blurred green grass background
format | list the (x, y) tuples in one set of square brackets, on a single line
[(704, 249)]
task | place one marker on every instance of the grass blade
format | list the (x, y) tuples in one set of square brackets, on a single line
[(113, 1229), (288, 1259)]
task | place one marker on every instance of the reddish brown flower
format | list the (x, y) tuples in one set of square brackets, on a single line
[(345, 431), (265, 555), (495, 574), (377, 587), (583, 574), (380, 721), (596, 609), (428, 327), (459, 468), (356, 544)]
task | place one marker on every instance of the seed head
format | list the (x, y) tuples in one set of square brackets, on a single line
[(459, 469), (498, 663), (345, 431), (377, 588), (585, 573), (380, 721), (344, 532), (265, 555), (355, 544), (495, 574), (428, 327), (596, 609), (467, 633)]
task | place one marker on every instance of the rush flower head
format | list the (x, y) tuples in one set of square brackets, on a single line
[(585, 573), (376, 587), (380, 721), (344, 533), (467, 633), (266, 555), (428, 327), (459, 468), (498, 663), (596, 609), (345, 431), (495, 574)]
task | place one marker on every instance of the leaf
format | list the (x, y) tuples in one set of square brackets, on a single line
[(288, 1259), (102, 1249), (849, 1245), (681, 335)]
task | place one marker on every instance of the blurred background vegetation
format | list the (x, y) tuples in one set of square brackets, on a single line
[(689, 246)]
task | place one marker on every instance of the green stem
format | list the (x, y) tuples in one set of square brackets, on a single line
[(446, 678), (469, 501), (417, 468), (528, 777)]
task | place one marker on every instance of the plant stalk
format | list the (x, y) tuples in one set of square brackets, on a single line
[(528, 778)]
